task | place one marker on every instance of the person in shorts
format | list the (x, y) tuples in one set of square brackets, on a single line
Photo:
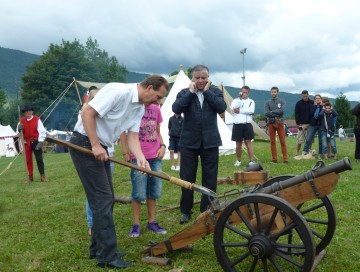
[(146, 187), (243, 108), (175, 127)]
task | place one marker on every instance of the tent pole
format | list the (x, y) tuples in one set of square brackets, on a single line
[(77, 90), (23, 146)]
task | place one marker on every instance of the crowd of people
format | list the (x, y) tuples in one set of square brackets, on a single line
[(131, 113)]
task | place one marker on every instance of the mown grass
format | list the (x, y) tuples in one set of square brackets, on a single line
[(43, 225)]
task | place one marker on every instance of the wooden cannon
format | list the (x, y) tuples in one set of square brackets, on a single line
[(279, 225), (285, 223)]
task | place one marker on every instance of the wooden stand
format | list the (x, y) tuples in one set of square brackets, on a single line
[(242, 178)]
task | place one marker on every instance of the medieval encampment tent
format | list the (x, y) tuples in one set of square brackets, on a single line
[(182, 81), (7, 146)]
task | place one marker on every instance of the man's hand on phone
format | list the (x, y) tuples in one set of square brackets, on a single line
[(207, 86)]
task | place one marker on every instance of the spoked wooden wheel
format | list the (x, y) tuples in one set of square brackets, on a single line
[(320, 215), (251, 234)]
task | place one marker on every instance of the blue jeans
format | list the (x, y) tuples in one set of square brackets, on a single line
[(145, 186), (89, 215), (310, 137), (324, 143)]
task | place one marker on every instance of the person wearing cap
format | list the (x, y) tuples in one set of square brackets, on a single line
[(243, 108), (34, 136)]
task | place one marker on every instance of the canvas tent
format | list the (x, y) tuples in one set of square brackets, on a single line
[(7, 146), (181, 82)]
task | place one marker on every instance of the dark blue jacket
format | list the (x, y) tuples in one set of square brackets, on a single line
[(330, 119), (315, 121), (302, 111), (200, 124)]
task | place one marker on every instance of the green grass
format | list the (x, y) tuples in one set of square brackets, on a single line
[(43, 225)]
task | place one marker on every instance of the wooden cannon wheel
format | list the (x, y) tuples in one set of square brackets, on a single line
[(251, 234), (320, 215)]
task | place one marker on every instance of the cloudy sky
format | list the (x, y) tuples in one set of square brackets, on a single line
[(295, 45)]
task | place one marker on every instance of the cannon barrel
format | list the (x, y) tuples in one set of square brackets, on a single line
[(317, 171)]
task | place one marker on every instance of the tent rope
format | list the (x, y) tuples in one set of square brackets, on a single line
[(9, 165), (57, 101)]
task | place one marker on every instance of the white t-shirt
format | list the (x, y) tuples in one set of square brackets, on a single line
[(341, 132), (119, 110)]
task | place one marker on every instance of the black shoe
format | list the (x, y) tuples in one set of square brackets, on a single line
[(274, 161), (185, 218), (116, 264), (120, 254)]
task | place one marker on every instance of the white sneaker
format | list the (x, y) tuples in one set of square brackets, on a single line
[(237, 163), (173, 167), (177, 168), (251, 163)]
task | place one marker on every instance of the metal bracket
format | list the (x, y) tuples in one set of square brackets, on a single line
[(309, 177)]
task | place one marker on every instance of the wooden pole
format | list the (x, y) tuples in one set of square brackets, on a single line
[(177, 181), (23, 146), (77, 90)]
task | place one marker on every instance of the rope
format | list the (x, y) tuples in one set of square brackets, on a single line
[(58, 99), (9, 165)]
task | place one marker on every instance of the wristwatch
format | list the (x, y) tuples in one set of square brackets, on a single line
[(163, 145)]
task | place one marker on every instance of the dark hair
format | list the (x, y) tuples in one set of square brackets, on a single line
[(92, 88), (317, 95), (245, 87), (275, 88), (327, 104), (156, 81), (304, 92), (199, 68)]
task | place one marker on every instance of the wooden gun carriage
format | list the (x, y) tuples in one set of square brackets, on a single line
[(279, 225), (276, 226)]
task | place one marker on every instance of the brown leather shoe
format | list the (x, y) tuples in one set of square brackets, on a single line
[(30, 178), (43, 178)]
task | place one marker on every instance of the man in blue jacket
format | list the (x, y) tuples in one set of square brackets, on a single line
[(200, 104)]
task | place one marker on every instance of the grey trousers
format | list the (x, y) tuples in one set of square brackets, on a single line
[(96, 178)]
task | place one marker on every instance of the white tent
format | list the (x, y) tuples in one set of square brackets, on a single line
[(7, 146), (181, 82)]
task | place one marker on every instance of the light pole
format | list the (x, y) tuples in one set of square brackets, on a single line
[(243, 51)]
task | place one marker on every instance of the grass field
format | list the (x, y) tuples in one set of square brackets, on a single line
[(43, 225)]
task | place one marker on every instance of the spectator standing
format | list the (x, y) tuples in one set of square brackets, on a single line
[(342, 134), (356, 111), (144, 186), (302, 118), (243, 108), (200, 104), (327, 116), (175, 127), (34, 136), (116, 107), (315, 126), (274, 110)]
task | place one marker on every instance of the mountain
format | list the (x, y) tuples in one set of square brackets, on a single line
[(13, 66)]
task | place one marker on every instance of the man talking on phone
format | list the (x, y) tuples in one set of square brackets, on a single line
[(200, 104)]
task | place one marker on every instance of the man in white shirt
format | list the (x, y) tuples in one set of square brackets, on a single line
[(243, 108), (115, 108)]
